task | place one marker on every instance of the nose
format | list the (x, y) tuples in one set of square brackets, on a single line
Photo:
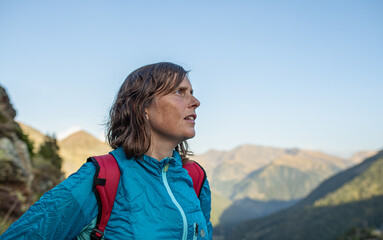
[(194, 102)]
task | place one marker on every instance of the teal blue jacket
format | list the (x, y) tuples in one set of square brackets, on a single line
[(154, 200)]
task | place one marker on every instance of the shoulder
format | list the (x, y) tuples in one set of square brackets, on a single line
[(73, 192), (80, 183)]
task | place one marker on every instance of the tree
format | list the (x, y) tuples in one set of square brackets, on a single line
[(49, 151)]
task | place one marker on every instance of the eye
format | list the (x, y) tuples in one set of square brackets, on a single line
[(179, 91)]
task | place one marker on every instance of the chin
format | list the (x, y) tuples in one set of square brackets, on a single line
[(188, 136)]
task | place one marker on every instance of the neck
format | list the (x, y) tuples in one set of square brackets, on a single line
[(160, 150)]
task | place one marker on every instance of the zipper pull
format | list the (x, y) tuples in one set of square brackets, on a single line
[(166, 167), (196, 229)]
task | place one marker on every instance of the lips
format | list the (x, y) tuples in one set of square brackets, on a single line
[(191, 117)]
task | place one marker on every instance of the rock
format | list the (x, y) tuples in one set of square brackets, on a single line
[(21, 182), (5, 105), (15, 163), (16, 173)]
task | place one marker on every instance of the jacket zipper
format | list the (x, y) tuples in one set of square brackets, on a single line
[(165, 180)]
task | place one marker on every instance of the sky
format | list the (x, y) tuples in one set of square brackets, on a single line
[(289, 74)]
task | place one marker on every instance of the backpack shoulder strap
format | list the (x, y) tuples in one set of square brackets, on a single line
[(198, 175), (105, 184)]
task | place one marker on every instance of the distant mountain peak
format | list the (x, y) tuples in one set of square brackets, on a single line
[(80, 133), (78, 146)]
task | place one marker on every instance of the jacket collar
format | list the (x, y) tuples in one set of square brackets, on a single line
[(150, 164)]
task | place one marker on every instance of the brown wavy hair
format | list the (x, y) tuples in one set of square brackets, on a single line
[(127, 126)]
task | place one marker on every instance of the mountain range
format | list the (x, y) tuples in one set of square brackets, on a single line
[(260, 180), (352, 198), (268, 173)]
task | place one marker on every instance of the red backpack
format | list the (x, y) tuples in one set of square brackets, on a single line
[(105, 184)]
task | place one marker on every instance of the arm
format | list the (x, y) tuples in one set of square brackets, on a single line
[(205, 199), (60, 213)]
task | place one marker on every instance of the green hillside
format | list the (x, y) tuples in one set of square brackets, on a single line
[(277, 183), (245, 209), (219, 204), (350, 199), (364, 187)]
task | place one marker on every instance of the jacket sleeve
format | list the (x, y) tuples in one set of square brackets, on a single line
[(60, 213), (205, 199)]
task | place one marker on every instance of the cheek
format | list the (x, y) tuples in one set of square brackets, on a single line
[(169, 112)]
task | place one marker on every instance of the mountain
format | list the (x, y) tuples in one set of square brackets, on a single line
[(262, 173), (234, 165), (260, 180), (77, 147), (288, 177), (349, 199)]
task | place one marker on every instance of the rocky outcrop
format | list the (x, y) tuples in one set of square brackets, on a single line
[(16, 174), (15, 162), (25, 173)]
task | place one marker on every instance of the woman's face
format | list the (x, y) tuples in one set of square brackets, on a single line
[(172, 116)]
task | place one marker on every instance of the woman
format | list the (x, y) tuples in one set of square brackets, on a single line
[(150, 121)]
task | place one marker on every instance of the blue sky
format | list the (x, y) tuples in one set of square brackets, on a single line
[(276, 73)]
